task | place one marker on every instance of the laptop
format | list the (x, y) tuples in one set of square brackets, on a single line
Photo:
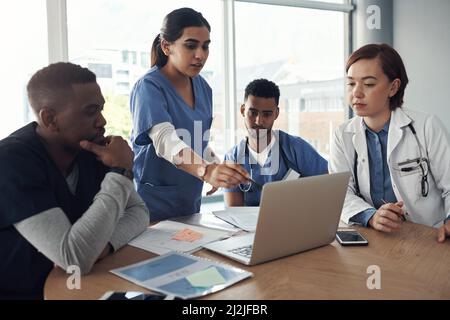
[(294, 216)]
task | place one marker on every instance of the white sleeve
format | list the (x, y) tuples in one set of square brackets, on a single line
[(339, 162), (210, 156), (168, 144), (166, 141), (438, 150)]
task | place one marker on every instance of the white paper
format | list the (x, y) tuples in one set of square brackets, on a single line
[(244, 218), (291, 175), (158, 238), (206, 220), (343, 225)]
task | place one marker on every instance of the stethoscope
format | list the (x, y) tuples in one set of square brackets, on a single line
[(421, 162), (286, 161)]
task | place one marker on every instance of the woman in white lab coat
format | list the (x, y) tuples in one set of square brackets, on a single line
[(399, 158)]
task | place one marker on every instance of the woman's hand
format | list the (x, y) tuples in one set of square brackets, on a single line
[(225, 175), (444, 232), (388, 217)]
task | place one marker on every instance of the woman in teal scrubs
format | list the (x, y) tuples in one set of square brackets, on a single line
[(171, 106)]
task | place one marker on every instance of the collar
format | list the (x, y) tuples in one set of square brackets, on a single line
[(384, 130), (399, 119)]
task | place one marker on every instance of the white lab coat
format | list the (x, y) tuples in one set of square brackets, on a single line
[(401, 146)]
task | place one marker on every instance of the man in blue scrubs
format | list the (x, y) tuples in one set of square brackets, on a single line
[(268, 155)]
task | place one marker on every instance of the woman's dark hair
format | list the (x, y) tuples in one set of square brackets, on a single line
[(391, 63), (172, 29)]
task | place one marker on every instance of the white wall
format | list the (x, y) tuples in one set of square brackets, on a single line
[(422, 37)]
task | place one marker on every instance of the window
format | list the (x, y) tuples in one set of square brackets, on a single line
[(145, 60), (122, 39), (300, 49), (123, 85), (332, 1), (129, 57), (23, 52), (102, 70), (133, 57), (303, 52), (125, 57), (123, 73)]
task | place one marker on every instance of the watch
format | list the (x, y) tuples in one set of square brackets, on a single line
[(123, 171), (201, 171)]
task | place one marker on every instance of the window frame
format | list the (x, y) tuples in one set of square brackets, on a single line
[(308, 4), (58, 47)]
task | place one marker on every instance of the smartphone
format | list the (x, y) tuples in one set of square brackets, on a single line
[(132, 295), (351, 238)]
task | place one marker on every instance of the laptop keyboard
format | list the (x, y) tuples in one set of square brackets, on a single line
[(243, 251)]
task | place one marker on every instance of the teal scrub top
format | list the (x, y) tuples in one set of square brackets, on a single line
[(168, 191)]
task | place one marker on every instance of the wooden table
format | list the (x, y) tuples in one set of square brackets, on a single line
[(413, 266)]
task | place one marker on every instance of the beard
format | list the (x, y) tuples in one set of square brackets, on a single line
[(98, 138)]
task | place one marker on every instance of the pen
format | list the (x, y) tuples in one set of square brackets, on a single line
[(402, 216), (255, 183)]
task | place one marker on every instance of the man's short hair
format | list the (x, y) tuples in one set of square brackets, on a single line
[(262, 88), (52, 85)]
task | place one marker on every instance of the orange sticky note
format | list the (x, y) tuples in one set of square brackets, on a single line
[(187, 235)]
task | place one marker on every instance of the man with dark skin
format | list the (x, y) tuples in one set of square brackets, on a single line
[(67, 193)]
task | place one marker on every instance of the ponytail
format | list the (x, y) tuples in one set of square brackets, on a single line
[(158, 57)]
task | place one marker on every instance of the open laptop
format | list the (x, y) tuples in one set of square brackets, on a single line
[(294, 216)]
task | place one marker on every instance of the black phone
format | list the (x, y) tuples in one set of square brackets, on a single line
[(132, 295), (351, 238)]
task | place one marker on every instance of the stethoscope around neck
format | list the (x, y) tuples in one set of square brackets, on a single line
[(286, 161), (421, 163)]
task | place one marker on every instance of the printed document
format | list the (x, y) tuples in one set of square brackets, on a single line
[(244, 218), (167, 236), (182, 275)]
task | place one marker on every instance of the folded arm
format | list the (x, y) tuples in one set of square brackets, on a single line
[(115, 216)]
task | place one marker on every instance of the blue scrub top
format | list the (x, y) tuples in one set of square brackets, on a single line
[(167, 190), (294, 153)]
